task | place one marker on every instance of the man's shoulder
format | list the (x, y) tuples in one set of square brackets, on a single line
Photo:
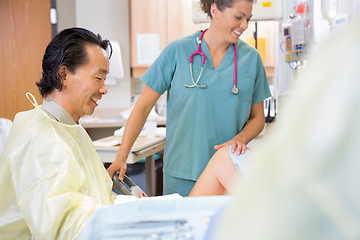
[(28, 120)]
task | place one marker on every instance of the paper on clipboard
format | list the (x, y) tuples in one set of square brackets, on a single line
[(147, 47)]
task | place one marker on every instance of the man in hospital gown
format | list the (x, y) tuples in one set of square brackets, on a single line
[(51, 178), (305, 183)]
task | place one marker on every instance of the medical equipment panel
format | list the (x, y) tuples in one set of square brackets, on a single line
[(267, 10), (297, 31)]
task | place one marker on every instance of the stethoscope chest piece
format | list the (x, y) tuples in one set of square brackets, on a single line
[(235, 90)]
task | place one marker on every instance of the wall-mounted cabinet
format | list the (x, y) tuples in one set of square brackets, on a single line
[(171, 19), (167, 19)]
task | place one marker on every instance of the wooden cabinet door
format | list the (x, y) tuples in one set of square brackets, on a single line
[(146, 17), (180, 19), (25, 31), (170, 19)]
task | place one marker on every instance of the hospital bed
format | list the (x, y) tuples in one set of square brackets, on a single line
[(163, 217)]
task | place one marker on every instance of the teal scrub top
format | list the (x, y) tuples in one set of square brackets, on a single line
[(197, 118)]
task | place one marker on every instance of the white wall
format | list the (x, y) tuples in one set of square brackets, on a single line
[(65, 14), (109, 18)]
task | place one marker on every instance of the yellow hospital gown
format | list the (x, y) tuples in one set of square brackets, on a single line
[(51, 179)]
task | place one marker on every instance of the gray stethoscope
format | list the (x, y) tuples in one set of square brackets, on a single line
[(234, 90)]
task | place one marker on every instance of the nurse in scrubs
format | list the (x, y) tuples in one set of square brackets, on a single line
[(218, 104)]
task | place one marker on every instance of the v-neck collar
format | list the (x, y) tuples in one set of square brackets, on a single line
[(227, 59)]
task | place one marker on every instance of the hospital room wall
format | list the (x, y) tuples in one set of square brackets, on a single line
[(109, 18)]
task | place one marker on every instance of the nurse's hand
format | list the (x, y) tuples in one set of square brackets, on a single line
[(117, 166), (236, 145)]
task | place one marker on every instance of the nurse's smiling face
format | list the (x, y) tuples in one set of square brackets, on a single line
[(231, 22), (86, 85)]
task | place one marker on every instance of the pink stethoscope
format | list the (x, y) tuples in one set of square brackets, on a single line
[(198, 52)]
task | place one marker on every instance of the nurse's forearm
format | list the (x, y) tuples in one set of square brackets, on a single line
[(255, 124), (137, 120), (252, 129), (133, 128)]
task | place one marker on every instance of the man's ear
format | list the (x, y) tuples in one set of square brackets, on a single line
[(62, 73)]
